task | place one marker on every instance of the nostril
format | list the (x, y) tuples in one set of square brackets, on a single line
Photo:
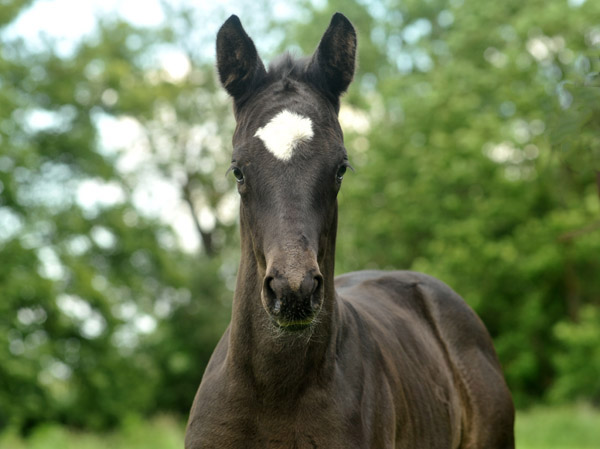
[(315, 296), (268, 287), (318, 280), (274, 303)]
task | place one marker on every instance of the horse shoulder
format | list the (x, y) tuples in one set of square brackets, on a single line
[(422, 300), (485, 395), (402, 358), (435, 335)]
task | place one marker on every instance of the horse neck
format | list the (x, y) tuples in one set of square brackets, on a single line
[(275, 362)]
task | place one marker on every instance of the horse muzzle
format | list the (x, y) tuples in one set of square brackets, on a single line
[(293, 295)]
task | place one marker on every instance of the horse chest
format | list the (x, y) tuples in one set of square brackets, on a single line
[(234, 421)]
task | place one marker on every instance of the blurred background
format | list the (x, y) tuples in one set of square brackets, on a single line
[(474, 129)]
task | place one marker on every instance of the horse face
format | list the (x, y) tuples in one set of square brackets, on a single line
[(288, 160)]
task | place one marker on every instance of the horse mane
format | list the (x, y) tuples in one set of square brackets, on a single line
[(287, 67), (290, 69)]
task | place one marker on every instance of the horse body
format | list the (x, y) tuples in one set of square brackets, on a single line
[(366, 360), (414, 367)]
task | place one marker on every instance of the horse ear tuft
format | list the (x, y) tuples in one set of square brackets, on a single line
[(238, 63), (332, 65)]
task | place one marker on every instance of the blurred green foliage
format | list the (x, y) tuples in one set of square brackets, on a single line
[(474, 129), (102, 314), (578, 361)]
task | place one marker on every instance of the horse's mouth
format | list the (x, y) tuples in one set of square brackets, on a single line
[(294, 326)]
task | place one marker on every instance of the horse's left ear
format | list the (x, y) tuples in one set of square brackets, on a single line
[(332, 65), (238, 63)]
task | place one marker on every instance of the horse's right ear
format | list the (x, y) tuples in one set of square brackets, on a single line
[(238, 63)]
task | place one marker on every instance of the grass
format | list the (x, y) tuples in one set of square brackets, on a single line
[(569, 427), (572, 427), (162, 432)]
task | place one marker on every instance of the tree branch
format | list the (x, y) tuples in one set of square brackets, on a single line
[(206, 237), (572, 235)]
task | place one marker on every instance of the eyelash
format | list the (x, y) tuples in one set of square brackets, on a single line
[(341, 171)]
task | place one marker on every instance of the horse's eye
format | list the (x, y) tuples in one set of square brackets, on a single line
[(239, 176), (340, 173)]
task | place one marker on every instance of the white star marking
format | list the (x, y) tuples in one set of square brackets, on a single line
[(284, 132)]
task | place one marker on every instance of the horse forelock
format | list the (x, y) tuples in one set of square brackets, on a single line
[(286, 66)]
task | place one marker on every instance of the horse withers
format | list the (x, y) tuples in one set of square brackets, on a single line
[(370, 359)]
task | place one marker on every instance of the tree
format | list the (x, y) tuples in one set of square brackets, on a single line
[(479, 165), (101, 308)]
